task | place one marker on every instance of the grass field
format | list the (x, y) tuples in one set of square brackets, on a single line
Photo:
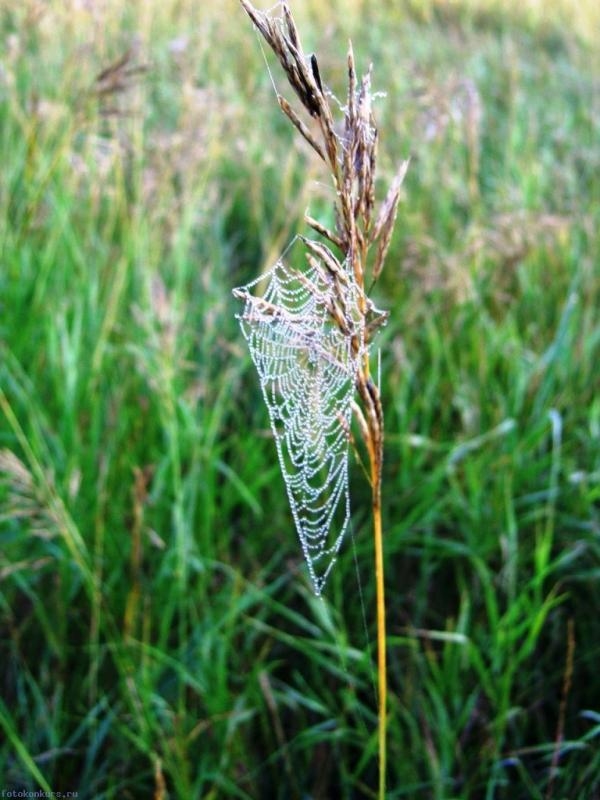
[(158, 634)]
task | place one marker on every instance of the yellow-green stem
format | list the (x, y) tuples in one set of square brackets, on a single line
[(369, 393), (381, 647)]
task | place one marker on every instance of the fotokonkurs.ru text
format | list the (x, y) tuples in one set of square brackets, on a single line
[(16, 793)]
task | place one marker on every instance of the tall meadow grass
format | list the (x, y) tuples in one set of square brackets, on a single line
[(158, 634)]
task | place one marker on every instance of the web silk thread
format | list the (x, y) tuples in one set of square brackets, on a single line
[(307, 367)]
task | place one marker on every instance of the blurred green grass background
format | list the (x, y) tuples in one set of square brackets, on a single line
[(158, 635)]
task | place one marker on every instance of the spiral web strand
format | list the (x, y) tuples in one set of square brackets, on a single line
[(307, 371)]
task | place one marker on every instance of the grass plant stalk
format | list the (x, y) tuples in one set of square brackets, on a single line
[(359, 242), (381, 627)]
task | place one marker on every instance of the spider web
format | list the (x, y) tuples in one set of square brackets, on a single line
[(307, 371)]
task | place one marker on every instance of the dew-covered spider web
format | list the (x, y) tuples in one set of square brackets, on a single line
[(307, 366)]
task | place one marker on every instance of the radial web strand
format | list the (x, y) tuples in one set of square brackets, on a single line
[(307, 368)]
